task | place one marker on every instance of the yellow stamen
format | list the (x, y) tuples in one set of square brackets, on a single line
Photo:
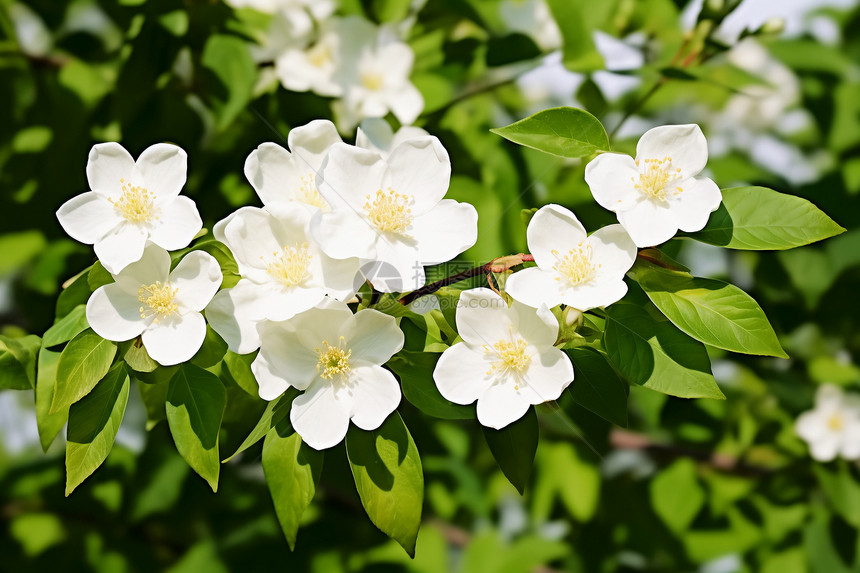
[(576, 266), (136, 204), (319, 55), (309, 194), (835, 422), (372, 81), (333, 360), (290, 265), (511, 358), (158, 301), (389, 211), (655, 178)]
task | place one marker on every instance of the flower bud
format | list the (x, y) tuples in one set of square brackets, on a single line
[(572, 318)]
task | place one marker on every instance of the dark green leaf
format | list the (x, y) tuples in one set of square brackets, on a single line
[(84, 361), (415, 370), (98, 276), (230, 79), (212, 350), (514, 448), (48, 424), (597, 386), (562, 131), (275, 411)]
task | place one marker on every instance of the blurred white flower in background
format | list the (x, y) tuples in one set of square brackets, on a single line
[(832, 428), (532, 18), (376, 134)]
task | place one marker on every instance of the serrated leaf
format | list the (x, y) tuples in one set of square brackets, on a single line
[(275, 411), (597, 386), (514, 448), (711, 311), (292, 470), (562, 131), (18, 362), (657, 355), (84, 361), (389, 479), (758, 218), (49, 424), (67, 328), (93, 423), (415, 371), (195, 406)]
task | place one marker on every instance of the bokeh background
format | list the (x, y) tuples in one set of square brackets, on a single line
[(688, 485)]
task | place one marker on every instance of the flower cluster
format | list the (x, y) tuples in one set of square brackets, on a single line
[(364, 66), (832, 428)]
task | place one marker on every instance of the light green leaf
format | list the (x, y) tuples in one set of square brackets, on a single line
[(275, 411), (562, 131), (98, 276), (18, 362), (230, 79), (597, 386), (657, 355), (237, 369), (842, 490), (154, 397), (415, 370), (67, 328), (292, 470), (49, 424), (577, 22), (389, 479), (711, 311), (136, 356), (514, 448), (195, 406), (93, 423), (758, 218), (677, 496), (84, 361)]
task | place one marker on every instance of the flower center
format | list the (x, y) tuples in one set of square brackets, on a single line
[(576, 266), (319, 55), (290, 266), (389, 211), (309, 194), (655, 178), (333, 360), (511, 358), (136, 204), (835, 422), (158, 301), (371, 80)]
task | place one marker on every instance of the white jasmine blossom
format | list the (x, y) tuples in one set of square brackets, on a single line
[(658, 193), (574, 269), (131, 203), (159, 305), (507, 361), (334, 356), (283, 272), (832, 428)]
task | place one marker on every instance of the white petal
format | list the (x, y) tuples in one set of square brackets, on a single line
[(270, 383), (350, 175), (375, 133), (649, 223), (176, 339), (343, 234), (397, 266), (285, 356), (406, 104), (534, 287), (319, 417), (482, 317), (538, 327), (375, 394), (114, 313), (612, 178), (226, 317), (829, 397), (284, 304), (553, 228), (549, 373), (107, 164), (825, 448), (501, 405), (121, 247), (684, 144), (340, 278), (850, 449), (445, 231), (375, 338), (87, 217), (396, 59), (251, 237), (152, 266), (595, 294), (811, 426), (310, 143), (177, 224), (271, 171), (420, 168), (163, 167), (327, 322), (196, 278), (461, 374), (613, 250), (692, 207)]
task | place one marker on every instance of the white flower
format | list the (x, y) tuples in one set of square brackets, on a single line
[(283, 272), (833, 427), (658, 193), (506, 361), (376, 134), (334, 356), (161, 306), (391, 213), (532, 18), (130, 203), (581, 271)]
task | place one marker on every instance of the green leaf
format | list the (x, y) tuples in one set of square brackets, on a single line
[(292, 470), (136, 356), (514, 448), (93, 424), (415, 370), (597, 386), (73, 295), (237, 368), (98, 276), (389, 479), (842, 490), (212, 350), (18, 362), (711, 311), (84, 361), (677, 496), (195, 406), (154, 397), (67, 328), (49, 424), (577, 22), (230, 77), (275, 411), (657, 355), (758, 218), (562, 131)]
